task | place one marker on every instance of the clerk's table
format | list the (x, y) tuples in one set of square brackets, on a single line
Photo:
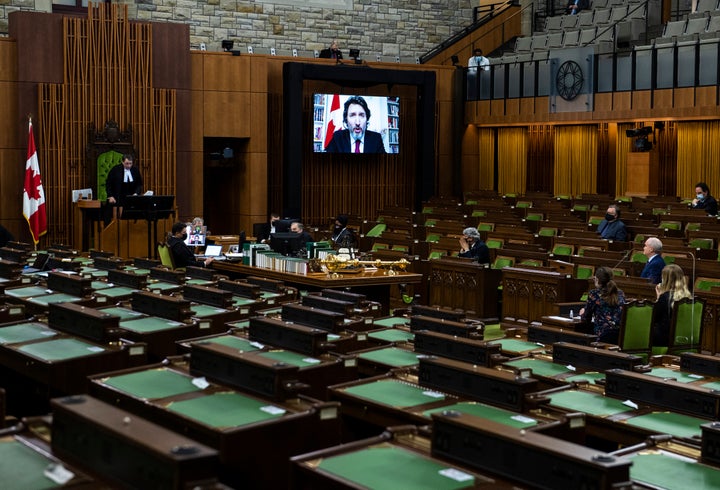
[(375, 284)]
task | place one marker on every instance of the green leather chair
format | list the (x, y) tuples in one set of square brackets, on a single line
[(636, 328), (105, 162)]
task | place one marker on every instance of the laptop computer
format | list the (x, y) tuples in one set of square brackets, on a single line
[(214, 251)]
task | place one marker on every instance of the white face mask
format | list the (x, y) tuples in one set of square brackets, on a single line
[(700, 196)]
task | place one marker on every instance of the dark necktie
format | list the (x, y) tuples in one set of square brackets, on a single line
[(357, 146)]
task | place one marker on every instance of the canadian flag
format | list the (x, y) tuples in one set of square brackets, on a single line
[(33, 194), (334, 121)]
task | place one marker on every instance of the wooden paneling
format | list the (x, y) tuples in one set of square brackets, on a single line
[(663, 100), (38, 59), (170, 58), (222, 71), (227, 114)]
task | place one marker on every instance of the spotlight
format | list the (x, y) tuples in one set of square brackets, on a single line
[(634, 133), (455, 60), (227, 44), (659, 125), (354, 53)]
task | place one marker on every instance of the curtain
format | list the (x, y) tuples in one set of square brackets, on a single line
[(575, 163), (698, 159), (486, 154), (512, 160)]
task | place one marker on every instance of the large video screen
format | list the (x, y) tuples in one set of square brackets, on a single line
[(355, 124)]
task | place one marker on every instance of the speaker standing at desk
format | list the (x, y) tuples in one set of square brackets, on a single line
[(123, 180)]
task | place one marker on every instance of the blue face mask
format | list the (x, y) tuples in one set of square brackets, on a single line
[(700, 196)]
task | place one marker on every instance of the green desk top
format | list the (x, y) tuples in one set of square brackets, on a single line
[(292, 358), (243, 345), (23, 468), (163, 286), (591, 378), (123, 313), (27, 292), (540, 367), (240, 301), (392, 335), (674, 424), (93, 272), (520, 346), (115, 292), (202, 311), (370, 468), (395, 393), (149, 324), (99, 285), (391, 356), (391, 321), (268, 295), (198, 282), (242, 324), (53, 298), (715, 385), (226, 410), (61, 349), (679, 376), (139, 272), (152, 383), (24, 332), (665, 471), (502, 416), (590, 403)]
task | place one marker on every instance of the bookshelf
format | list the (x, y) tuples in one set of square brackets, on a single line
[(393, 124)]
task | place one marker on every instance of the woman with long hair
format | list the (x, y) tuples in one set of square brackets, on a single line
[(604, 307), (672, 288)]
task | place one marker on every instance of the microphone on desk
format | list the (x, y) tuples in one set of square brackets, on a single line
[(623, 258)]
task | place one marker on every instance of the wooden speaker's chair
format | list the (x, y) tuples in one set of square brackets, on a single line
[(104, 150), (686, 326), (636, 329)]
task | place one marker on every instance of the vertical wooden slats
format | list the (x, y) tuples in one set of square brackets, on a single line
[(107, 76)]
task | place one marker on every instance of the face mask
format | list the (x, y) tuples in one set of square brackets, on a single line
[(184, 236), (609, 217), (700, 196)]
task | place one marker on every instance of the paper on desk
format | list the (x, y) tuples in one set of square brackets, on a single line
[(561, 319)]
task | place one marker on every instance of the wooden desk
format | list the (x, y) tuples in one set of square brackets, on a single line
[(375, 285), (465, 285), (530, 294)]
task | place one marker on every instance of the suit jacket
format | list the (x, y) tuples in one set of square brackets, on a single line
[(118, 189), (709, 204), (613, 230), (328, 53), (182, 255), (340, 142), (479, 251), (653, 270)]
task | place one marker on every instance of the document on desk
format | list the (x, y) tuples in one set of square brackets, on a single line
[(561, 319)]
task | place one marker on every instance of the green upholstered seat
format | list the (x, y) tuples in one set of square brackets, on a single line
[(494, 242), (376, 230), (706, 243), (686, 326), (636, 329), (563, 249), (547, 231), (105, 162), (501, 262), (584, 271), (486, 226), (165, 255)]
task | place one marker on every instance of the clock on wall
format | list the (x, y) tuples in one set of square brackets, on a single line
[(569, 80)]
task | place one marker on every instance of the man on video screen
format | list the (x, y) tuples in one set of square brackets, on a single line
[(356, 138)]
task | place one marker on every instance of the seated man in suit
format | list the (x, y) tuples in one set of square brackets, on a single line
[(183, 256), (655, 264), (305, 237), (472, 246), (342, 236), (268, 229), (356, 138), (333, 52), (611, 228)]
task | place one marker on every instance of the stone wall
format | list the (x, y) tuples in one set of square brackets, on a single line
[(405, 28)]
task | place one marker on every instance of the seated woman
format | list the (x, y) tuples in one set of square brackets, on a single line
[(604, 307), (183, 256), (672, 288)]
